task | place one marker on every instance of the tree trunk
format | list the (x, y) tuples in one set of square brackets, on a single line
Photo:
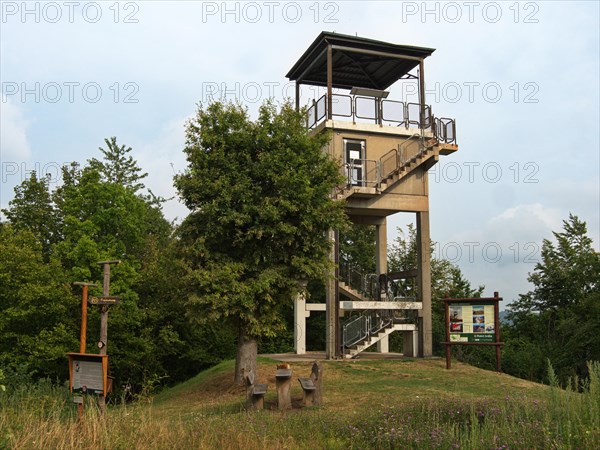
[(245, 361)]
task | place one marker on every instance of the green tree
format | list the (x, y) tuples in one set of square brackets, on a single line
[(118, 166), (560, 317), (446, 280), (32, 209), (37, 312), (106, 220), (259, 195), (358, 246), (96, 213)]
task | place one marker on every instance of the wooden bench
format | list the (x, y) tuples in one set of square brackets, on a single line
[(255, 393), (308, 388), (283, 381)]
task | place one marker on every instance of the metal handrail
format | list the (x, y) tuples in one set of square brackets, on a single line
[(364, 326), (411, 114), (402, 151), (370, 174), (384, 163), (386, 118), (445, 129), (355, 330)]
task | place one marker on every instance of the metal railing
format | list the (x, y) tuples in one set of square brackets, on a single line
[(444, 130), (388, 163), (363, 283), (381, 111), (355, 330), (362, 172), (370, 173), (359, 328)]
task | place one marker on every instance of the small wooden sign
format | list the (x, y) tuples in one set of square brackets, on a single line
[(105, 300)]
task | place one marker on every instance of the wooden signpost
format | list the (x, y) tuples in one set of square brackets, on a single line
[(103, 342), (82, 337), (88, 373), (473, 321)]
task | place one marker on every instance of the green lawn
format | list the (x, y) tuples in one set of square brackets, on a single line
[(408, 403)]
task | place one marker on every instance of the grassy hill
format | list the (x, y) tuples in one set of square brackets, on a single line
[(367, 404)]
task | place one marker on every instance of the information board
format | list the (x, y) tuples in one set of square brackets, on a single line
[(88, 373), (472, 322)]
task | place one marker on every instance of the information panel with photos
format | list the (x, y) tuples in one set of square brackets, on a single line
[(473, 321)]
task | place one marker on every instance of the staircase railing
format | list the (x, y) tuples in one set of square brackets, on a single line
[(362, 327), (367, 172), (366, 284), (388, 163), (362, 172), (355, 330)]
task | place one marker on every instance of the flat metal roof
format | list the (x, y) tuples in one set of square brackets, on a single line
[(357, 62)]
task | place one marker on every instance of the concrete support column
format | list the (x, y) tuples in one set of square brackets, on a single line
[(331, 316), (424, 283), (383, 346), (300, 315), (410, 343), (381, 253)]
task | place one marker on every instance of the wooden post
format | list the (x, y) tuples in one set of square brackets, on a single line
[(104, 320), (497, 328), (83, 332), (447, 343), (316, 376), (283, 379)]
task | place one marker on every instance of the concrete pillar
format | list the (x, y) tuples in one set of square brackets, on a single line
[(410, 343), (383, 346), (381, 253), (424, 283), (330, 302), (300, 315)]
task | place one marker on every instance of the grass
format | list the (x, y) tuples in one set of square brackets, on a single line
[(368, 404)]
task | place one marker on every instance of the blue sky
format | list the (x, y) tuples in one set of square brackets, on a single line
[(521, 79)]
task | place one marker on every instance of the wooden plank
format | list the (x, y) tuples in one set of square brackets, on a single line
[(259, 389), (283, 373), (307, 384)]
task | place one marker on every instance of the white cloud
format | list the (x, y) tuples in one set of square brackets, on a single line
[(502, 251), (163, 157), (14, 145)]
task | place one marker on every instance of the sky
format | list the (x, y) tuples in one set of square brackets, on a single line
[(520, 78)]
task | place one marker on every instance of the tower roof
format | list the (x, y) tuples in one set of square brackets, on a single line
[(357, 62)]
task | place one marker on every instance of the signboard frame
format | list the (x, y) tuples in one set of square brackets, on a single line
[(479, 330), (91, 362)]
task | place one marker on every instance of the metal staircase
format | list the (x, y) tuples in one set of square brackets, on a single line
[(390, 168), (369, 326)]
